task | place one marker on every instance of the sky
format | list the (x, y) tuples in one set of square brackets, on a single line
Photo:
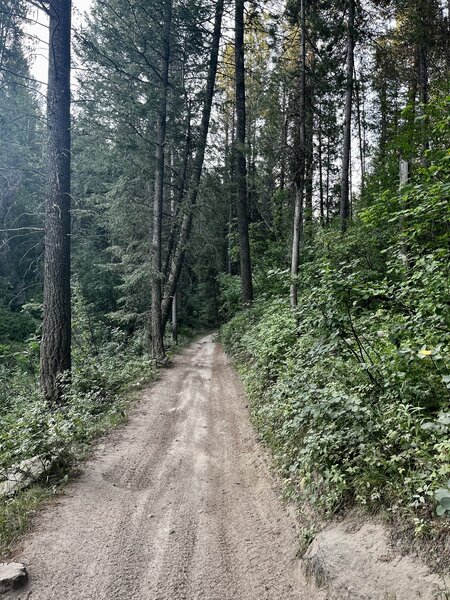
[(38, 34)]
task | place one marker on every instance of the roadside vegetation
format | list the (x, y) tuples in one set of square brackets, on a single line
[(280, 166), (98, 397), (351, 390)]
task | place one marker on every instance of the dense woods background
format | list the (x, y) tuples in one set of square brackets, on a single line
[(305, 201)]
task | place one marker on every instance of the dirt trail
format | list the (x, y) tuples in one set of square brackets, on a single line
[(178, 504)]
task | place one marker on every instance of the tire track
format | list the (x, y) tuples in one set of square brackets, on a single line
[(177, 505)]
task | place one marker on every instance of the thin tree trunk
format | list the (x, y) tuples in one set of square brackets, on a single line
[(175, 318), (309, 163), (384, 118), (229, 245), (345, 192), (227, 179), (241, 165), (360, 134), (284, 141), (424, 91), (327, 196), (181, 189), (319, 158), (158, 351), (56, 325), (173, 213), (186, 225), (404, 177), (299, 181), (423, 74)]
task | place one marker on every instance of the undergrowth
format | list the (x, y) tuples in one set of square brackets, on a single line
[(97, 399), (351, 392)]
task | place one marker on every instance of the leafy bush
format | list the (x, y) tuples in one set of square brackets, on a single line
[(106, 362), (15, 326), (352, 392), (29, 427)]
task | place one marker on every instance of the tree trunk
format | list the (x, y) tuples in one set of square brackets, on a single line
[(345, 195), (299, 180), (241, 165), (360, 133), (181, 190), (186, 225), (158, 351), (327, 195), (228, 184), (424, 90), (56, 325), (309, 151), (404, 168), (284, 140), (320, 165), (175, 318)]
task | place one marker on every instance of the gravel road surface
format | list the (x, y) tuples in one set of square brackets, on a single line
[(177, 504)]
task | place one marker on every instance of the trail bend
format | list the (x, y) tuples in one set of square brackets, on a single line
[(177, 504)]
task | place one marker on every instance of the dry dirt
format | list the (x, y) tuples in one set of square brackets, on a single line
[(178, 504)]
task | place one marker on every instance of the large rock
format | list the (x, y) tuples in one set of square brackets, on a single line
[(12, 576), (360, 565), (23, 475)]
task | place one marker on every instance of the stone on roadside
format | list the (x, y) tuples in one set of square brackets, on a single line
[(12, 576)]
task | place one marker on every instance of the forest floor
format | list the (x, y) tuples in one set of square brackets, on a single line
[(177, 504)]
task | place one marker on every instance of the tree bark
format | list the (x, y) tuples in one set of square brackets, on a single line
[(284, 139), (404, 168), (345, 192), (299, 179), (173, 212), (186, 225), (309, 150), (56, 325), (241, 163), (361, 136), (157, 331), (327, 195), (423, 83), (320, 165)]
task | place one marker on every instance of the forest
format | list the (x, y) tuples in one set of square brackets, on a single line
[(276, 170)]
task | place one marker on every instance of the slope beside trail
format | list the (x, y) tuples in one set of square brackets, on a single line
[(177, 504)]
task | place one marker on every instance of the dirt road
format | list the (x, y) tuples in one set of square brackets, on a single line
[(178, 504)]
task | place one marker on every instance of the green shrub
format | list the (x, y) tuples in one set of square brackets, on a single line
[(352, 394)]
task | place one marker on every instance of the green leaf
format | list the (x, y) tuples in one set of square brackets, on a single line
[(445, 502)]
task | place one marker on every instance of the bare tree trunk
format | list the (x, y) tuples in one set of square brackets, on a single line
[(175, 318), (56, 326), (173, 212), (404, 178), (345, 193), (181, 190), (384, 117), (185, 230), (309, 151), (299, 180), (424, 91), (320, 161), (360, 134), (228, 179), (158, 351), (241, 164), (327, 196), (284, 140)]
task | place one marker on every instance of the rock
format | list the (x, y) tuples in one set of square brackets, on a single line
[(12, 576), (360, 565), (22, 475)]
